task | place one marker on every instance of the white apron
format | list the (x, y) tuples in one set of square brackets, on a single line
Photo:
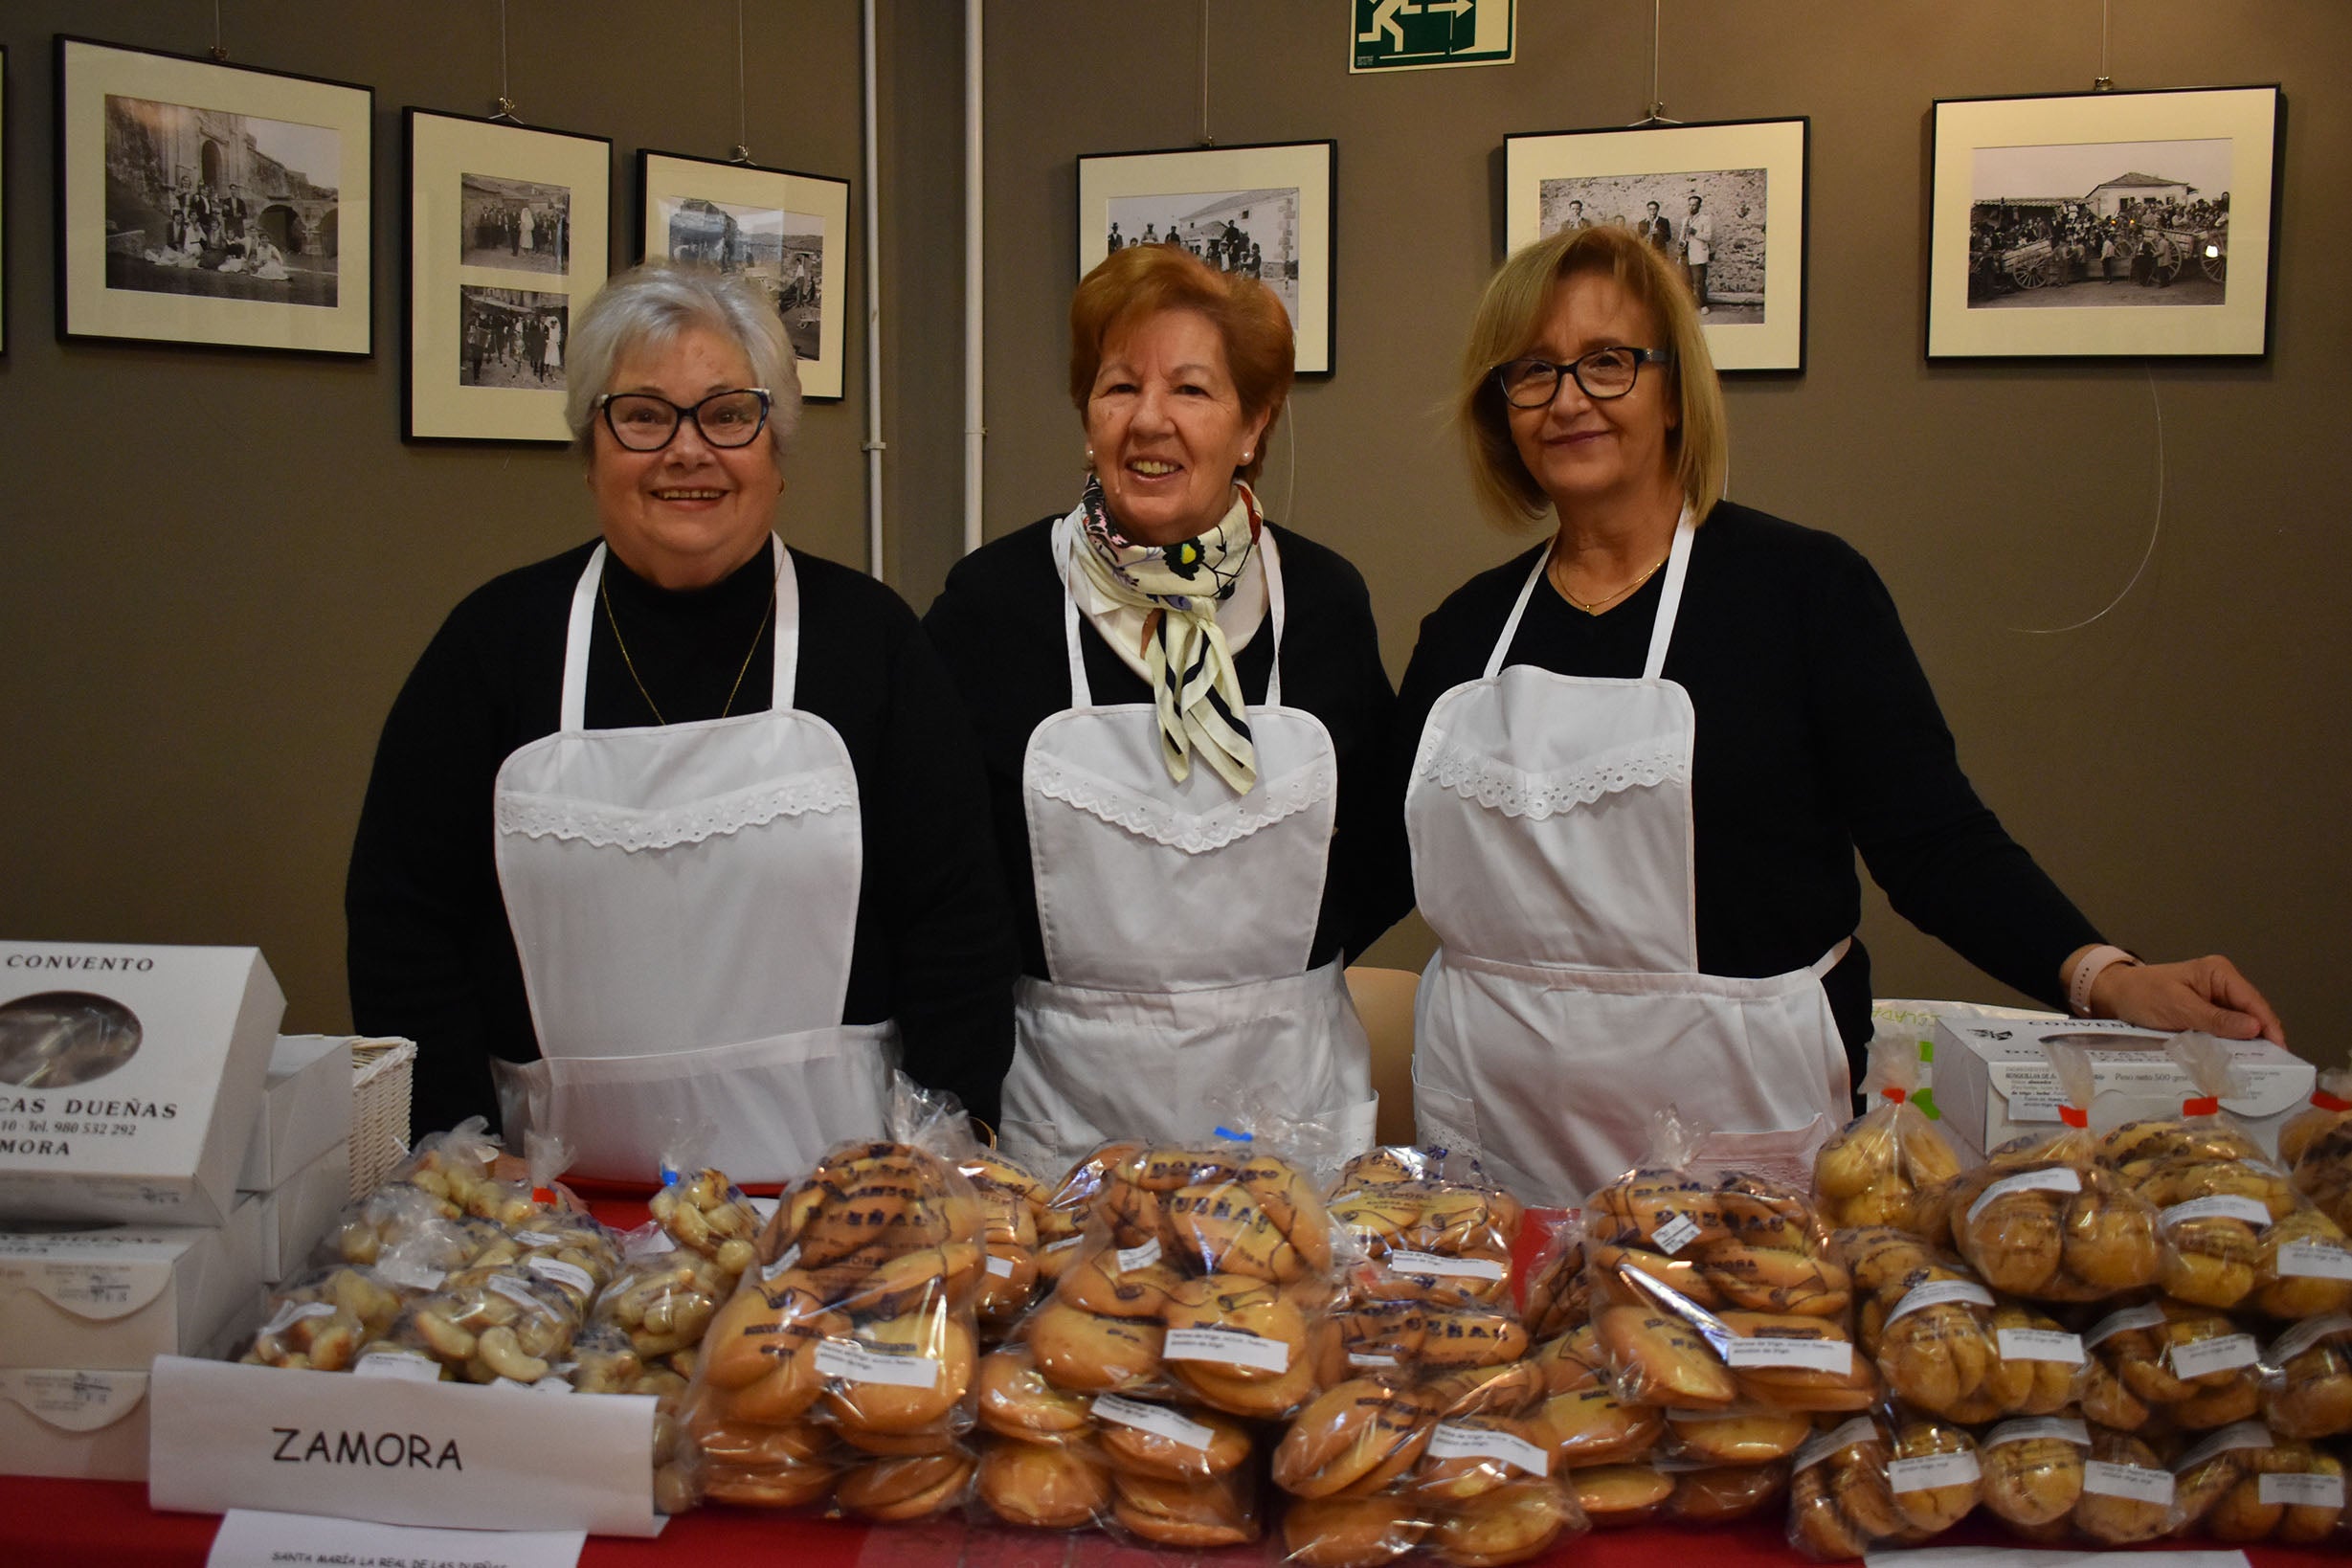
[(1177, 922), (685, 899), (1550, 819)]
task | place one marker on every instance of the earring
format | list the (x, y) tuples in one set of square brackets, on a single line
[(1245, 456)]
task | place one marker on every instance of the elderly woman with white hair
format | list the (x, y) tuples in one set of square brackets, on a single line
[(682, 832)]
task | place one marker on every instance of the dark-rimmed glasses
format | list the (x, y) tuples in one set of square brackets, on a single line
[(1532, 383), (645, 422)]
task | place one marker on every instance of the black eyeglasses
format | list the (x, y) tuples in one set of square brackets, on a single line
[(644, 422), (1603, 375)]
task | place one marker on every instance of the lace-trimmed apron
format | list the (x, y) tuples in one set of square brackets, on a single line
[(1550, 819), (684, 899), (1177, 922)]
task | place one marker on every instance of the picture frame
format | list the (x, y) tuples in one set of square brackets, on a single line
[(510, 232), (2136, 225), (212, 205), (788, 231), (1277, 198), (1751, 181)]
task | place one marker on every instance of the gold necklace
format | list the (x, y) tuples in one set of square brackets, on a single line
[(603, 594), (1596, 606)]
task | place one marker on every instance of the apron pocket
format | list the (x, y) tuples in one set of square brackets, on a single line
[(774, 1105), (1444, 1120)]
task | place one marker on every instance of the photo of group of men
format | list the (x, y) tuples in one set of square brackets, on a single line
[(1253, 233), (515, 225), (204, 201), (1710, 224), (512, 337)]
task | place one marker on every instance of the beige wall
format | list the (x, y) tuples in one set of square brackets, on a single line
[(215, 568)]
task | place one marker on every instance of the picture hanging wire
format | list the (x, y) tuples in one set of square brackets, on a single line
[(1207, 139), (220, 51), (1655, 113), (743, 113), (2103, 83), (2155, 530), (505, 111)]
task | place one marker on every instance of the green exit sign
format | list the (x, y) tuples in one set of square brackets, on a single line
[(1422, 35)]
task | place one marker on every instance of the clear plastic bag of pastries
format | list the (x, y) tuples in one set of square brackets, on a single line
[(2234, 1230), (2316, 1146), (1948, 1346), (1429, 1227), (2122, 1492), (698, 1208), (2306, 1378), (852, 1339), (2168, 1365), (1872, 1171), (1553, 1293), (1713, 1289), (1888, 1478), (1014, 1201), (2244, 1485), (2043, 1219)]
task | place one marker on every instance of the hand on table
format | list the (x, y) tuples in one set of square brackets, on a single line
[(2206, 993)]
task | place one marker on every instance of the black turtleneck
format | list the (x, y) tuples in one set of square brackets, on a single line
[(431, 956)]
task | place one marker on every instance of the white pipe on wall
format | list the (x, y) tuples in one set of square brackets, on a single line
[(873, 307), (976, 433)]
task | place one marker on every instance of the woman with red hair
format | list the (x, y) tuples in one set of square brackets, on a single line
[(1176, 706)]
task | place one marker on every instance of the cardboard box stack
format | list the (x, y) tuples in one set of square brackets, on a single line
[(131, 1081)]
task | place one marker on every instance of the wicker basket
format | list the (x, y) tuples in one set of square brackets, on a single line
[(379, 1110)]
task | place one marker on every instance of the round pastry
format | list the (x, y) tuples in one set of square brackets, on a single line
[(1816, 1526), (2031, 1481), (896, 1407), (1349, 1531), (1134, 1451), (1241, 1304), (1753, 1434), (1453, 1481), (2111, 1242), (1475, 1391), (1931, 1511), (1471, 1336), (1670, 1365), (1616, 1494), (1592, 1426), (1204, 1515), (782, 1486), (746, 1447), (1723, 1492), (764, 1324), (1098, 1284), (936, 1438), (1017, 1401), (1090, 1353), (1508, 1524), (2118, 1521), (2014, 1242), (1042, 1487), (1361, 1428), (905, 1488)]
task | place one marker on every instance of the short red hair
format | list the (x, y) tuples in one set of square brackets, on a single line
[(1136, 281)]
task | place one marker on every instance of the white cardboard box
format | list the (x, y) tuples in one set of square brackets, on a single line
[(279, 1228), (1995, 1081), (143, 1120), (74, 1423), (114, 1299), (305, 1108)]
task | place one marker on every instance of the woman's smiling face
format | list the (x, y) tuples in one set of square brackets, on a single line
[(690, 513), (1167, 428)]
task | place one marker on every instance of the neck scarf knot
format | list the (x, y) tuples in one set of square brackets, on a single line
[(1195, 686)]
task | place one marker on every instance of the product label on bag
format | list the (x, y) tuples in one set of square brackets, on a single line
[(1675, 1234), (1429, 1263), (1451, 1442), (790, 1256), (2061, 1179), (2315, 1259), (2220, 1206), (1832, 1355), (1860, 1430), (414, 1276), (565, 1273), (856, 1363), (1001, 1267), (1936, 1293), (2027, 1428), (293, 1313), (536, 1239), (2224, 1352), (2116, 1323), (2305, 1334), (2127, 1481), (518, 1292), (2244, 1434), (1367, 1358), (2302, 1490), (406, 1365), (1928, 1471), (1230, 1346), (1132, 1258), (1157, 1420), (2040, 1345)]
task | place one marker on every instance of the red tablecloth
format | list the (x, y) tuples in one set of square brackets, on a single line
[(107, 1524)]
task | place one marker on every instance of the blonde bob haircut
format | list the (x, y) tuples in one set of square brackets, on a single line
[(1510, 317)]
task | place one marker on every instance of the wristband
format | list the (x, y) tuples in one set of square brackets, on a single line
[(2093, 964)]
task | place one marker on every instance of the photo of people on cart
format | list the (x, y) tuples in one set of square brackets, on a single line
[(2163, 237)]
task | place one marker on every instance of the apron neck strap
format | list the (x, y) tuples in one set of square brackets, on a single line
[(1661, 629), (1066, 541), (582, 628)]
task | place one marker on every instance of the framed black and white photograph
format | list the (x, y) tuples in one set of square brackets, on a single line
[(787, 232), (1265, 211), (1725, 201), (2096, 225), (509, 229), (213, 204)]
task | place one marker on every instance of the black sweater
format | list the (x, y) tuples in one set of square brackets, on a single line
[(1818, 735), (431, 956), (998, 625)]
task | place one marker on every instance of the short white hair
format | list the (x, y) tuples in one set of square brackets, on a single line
[(649, 307)]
